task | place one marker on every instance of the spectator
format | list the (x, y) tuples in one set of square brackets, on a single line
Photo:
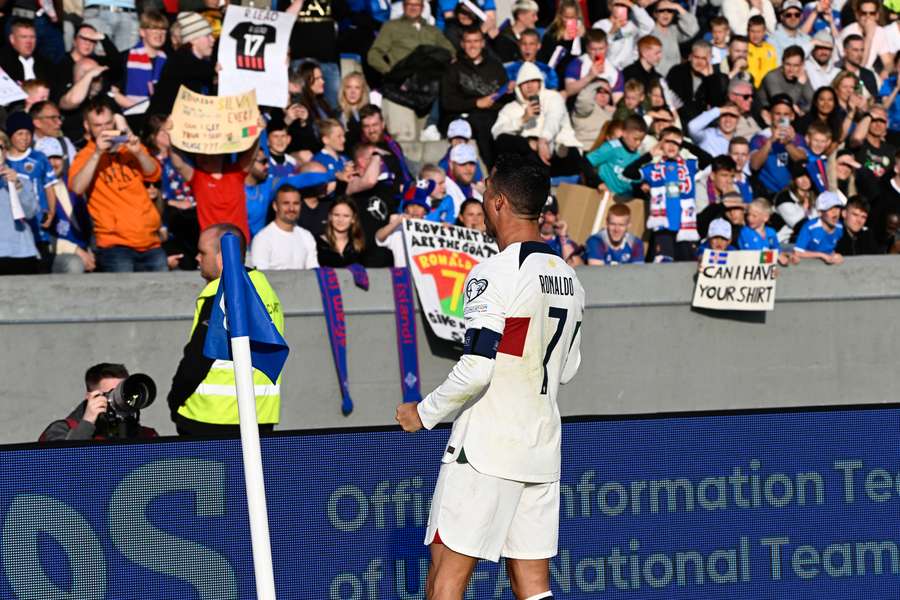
[(592, 113), (872, 150), (461, 181), (373, 132), (857, 238), (773, 148), (537, 124), (111, 177), (83, 45), (473, 85), (734, 66), (191, 65), (353, 96), (18, 58), (613, 156), (734, 211), (145, 61), (790, 80), (849, 96), (18, 253), (674, 26), (819, 15), (739, 13), (818, 141), (644, 68), (760, 54), (555, 233), (627, 22), (788, 32), (90, 82), (756, 235), (888, 92), (529, 44), (720, 32), (631, 104), (313, 94), (854, 51), (376, 198), (818, 237), (459, 132), (342, 242), (718, 238), (398, 39), (202, 399), (714, 139), (507, 44), (331, 155), (414, 206), (471, 215), (48, 124), (564, 38), (258, 189), (821, 67), (71, 226), (794, 204), (824, 109), (35, 169), (282, 244), (685, 80), (875, 40), (614, 245), (36, 91), (440, 205), (316, 199), (584, 73), (281, 164), (315, 37), (843, 176)]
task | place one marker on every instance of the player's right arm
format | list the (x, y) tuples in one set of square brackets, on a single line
[(485, 317)]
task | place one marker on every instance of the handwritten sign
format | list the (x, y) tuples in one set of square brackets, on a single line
[(253, 50), (440, 258), (214, 124), (9, 90), (736, 280)]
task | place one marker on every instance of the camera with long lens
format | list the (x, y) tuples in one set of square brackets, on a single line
[(126, 401)]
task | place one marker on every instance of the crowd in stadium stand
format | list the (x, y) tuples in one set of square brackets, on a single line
[(733, 124)]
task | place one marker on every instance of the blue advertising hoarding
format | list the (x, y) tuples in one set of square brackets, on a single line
[(787, 504)]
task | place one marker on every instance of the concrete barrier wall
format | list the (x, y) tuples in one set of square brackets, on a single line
[(831, 340)]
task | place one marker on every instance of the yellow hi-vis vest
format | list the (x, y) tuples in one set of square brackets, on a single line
[(215, 400)]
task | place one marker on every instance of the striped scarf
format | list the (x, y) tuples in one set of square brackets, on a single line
[(142, 71)]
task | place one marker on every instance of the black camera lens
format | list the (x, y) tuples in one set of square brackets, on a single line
[(135, 393)]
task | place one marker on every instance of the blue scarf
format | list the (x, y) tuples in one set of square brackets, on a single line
[(405, 314)]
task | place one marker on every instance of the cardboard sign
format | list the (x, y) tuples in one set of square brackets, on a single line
[(9, 90), (214, 124), (584, 210), (440, 258), (736, 280), (253, 50)]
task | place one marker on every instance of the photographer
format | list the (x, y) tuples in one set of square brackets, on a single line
[(90, 418)]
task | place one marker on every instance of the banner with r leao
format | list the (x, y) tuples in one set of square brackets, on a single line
[(736, 280), (440, 258)]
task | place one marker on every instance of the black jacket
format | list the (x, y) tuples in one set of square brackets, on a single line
[(414, 82), (681, 81), (9, 61), (862, 243), (465, 82), (182, 68)]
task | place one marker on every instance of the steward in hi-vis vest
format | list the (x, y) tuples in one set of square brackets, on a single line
[(203, 398)]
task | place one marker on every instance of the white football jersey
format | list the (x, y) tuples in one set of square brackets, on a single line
[(523, 310)]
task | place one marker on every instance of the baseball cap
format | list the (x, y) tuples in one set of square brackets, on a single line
[(823, 38), (462, 154), (719, 228), (525, 5), (459, 128), (791, 4), (828, 200), (417, 192), (49, 147)]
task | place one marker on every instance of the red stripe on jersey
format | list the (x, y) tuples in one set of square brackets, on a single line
[(437, 538), (514, 332)]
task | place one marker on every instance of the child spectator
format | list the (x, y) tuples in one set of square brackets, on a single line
[(755, 234), (719, 34), (281, 164), (760, 54), (471, 215), (818, 237), (631, 102), (331, 155), (18, 253), (440, 204), (818, 140), (718, 238), (529, 45), (414, 206), (739, 151), (613, 156), (614, 245)]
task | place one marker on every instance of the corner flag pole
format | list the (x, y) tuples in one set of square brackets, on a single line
[(253, 471)]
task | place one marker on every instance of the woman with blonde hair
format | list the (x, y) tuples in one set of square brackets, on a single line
[(564, 38), (342, 242), (354, 94), (849, 90)]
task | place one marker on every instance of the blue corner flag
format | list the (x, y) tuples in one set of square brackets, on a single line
[(246, 316)]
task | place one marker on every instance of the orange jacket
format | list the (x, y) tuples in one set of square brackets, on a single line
[(117, 200)]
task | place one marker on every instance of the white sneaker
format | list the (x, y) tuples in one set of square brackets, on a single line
[(430, 134)]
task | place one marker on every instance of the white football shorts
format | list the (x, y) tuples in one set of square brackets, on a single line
[(487, 517)]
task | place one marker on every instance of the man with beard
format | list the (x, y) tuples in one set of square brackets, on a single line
[(373, 132), (820, 65), (788, 32), (715, 87), (376, 200), (474, 84), (873, 152), (788, 79), (854, 54), (686, 79)]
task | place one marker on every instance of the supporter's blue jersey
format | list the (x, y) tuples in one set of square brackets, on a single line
[(258, 200), (814, 238), (774, 174), (817, 169), (445, 212), (599, 247), (34, 167), (894, 109), (334, 165), (551, 79), (749, 239)]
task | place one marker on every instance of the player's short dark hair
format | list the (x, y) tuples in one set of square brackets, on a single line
[(100, 371), (524, 182), (368, 110), (723, 162), (860, 203)]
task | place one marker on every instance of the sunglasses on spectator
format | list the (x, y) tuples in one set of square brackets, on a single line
[(878, 120), (868, 13), (261, 161), (791, 15), (744, 96)]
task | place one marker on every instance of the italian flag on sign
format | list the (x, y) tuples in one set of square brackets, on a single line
[(766, 257), (248, 131)]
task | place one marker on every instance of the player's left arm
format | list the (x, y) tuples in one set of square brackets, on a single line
[(485, 317)]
